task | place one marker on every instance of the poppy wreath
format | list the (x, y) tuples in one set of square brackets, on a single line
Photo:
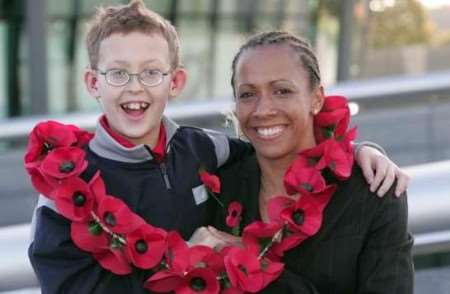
[(121, 240)]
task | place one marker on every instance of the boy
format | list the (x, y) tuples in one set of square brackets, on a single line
[(144, 158)]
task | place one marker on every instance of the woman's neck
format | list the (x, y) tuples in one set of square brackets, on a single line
[(272, 173)]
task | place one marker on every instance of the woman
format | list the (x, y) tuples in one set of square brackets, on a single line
[(363, 245)]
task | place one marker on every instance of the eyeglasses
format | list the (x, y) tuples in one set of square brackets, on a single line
[(120, 77)]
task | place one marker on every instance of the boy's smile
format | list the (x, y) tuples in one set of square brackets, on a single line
[(134, 110)]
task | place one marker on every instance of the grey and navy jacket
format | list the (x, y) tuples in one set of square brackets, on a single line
[(166, 194)]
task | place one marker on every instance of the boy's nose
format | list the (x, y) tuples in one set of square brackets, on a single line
[(134, 84)]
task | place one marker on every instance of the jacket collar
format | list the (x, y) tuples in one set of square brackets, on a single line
[(104, 145)]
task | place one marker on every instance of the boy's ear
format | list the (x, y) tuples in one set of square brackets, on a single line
[(179, 78), (91, 82), (317, 100)]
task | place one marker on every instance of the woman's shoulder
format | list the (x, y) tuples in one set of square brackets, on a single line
[(245, 168), (369, 203)]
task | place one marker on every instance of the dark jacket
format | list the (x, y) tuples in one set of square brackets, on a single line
[(167, 194), (363, 245)]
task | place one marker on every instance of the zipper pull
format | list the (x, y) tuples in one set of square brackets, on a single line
[(163, 168)]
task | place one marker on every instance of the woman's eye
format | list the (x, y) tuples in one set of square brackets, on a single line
[(245, 95), (282, 91)]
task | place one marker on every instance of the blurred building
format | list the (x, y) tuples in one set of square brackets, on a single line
[(43, 54)]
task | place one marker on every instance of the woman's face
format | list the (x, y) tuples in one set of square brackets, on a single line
[(274, 102)]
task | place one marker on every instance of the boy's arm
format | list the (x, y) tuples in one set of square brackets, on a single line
[(63, 268), (379, 171), (229, 150)]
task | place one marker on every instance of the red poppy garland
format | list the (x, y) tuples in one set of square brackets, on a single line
[(119, 239)]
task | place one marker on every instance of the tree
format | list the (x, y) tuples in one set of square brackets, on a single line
[(404, 23)]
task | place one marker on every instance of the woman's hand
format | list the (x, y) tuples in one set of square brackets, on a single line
[(386, 171), (210, 236)]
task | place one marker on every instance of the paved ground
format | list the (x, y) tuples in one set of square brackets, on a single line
[(436, 281)]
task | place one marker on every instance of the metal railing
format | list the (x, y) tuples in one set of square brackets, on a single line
[(16, 272), (360, 92)]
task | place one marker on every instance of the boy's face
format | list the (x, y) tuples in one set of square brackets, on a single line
[(134, 110)]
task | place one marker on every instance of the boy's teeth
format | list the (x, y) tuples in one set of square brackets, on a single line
[(135, 105), (266, 132)]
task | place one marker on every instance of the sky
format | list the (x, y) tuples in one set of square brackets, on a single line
[(435, 3)]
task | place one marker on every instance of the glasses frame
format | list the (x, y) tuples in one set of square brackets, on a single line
[(130, 75)]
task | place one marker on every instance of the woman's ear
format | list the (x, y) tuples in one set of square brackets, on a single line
[(317, 100), (179, 78), (91, 82)]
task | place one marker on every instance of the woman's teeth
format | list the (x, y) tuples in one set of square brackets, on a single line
[(270, 132)]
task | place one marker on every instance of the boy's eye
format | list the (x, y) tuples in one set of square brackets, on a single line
[(151, 73), (118, 74)]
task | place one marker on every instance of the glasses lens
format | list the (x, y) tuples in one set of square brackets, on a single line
[(117, 77), (151, 77)]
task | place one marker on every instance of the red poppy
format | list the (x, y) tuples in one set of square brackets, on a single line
[(177, 261), (74, 199), (177, 254), (199, 280), (337, 160), (45, 137), (114, 260), (306, 215), (63, 163), (290, 240), (89, 236), (190, 269), (204, 256), (164, 281), (212, 182), (333, 119), (117, 216), (107, 250), (232, 290), (276, 205), (83, 137), (249, 273), (146, 246), (330, 154), (303, 180), (346, 140), (40, 183), (234, 214)]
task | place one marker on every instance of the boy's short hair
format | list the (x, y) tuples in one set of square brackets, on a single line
[(133, 17)]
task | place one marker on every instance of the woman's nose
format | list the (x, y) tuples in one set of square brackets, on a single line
[(264, 106)]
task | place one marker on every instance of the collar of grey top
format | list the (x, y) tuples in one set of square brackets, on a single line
[(105, 146)]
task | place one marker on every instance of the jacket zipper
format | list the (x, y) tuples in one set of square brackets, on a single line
[(163, 168)]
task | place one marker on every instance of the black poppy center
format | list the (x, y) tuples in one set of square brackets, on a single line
[(298, 216), (66, 166), (333, 165), (243, 269), (198, 284), (308, 187), (141, 246), (234, 213), (109, 219), (47, 147), (94, 228), (79, 199)]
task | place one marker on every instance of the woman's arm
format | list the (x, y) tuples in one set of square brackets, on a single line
[(385, 262)]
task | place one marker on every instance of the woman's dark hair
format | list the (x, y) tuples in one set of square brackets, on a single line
[(299, 45)]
